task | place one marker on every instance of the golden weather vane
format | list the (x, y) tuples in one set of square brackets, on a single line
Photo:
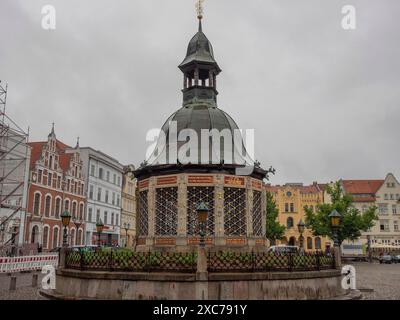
[(200, 9)]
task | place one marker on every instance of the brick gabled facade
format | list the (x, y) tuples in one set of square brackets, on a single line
[(56, 184)]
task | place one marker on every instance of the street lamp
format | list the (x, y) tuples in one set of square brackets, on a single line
[(127, 226), (65, 219), (335, 219), (301, 226), (99, 228), (202, 216)]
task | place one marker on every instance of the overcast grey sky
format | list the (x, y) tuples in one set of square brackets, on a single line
[(324, 102)]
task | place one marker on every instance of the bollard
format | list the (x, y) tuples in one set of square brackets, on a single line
[(34, 280), (13, 283)]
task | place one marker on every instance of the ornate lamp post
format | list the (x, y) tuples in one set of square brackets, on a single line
[(335, 218), (202, 216), (99, 228), (301, 226), (127, 226), (65, 218)]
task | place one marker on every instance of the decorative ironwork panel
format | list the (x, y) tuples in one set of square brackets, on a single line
[(257, 214), (166, 211), (235, 211), (195, 195), (143, 213)]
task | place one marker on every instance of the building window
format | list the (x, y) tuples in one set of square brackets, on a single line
[(106, 199), (391, 196), (395, 226), (394, 209), (40, 175), (383, 208), (90, 214), (100, 173), (317, 243), (292, 207), (91, 192), (118, 200), (92, 170), (108, 175), (36, 204), (98, 215), (114, 178), (66, 205), (112, 218), (117, 219), (58, 207), (386, 196), (81, 211), (74, 210), (113, 198), (55, 237), (49, 180), (105, 217), (309, 243), (45, 239), (59, 182), (119, 181), (286, 207), (47, 206), (289, 222), (99, 194)]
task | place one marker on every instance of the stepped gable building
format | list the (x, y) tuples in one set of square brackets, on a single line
[(291, 200), (56, 183), (170, 189)]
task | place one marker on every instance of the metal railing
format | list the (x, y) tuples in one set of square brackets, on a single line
[(130, 261)]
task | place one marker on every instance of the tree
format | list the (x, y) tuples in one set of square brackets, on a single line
[(353, 221), (274, 230)]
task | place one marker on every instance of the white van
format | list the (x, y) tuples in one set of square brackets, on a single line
[(282, 249)]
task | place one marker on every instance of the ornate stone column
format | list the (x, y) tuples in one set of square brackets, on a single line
[(151, 199), (182, 211), (219, 210)]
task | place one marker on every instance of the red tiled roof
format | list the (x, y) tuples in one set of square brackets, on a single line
[(37, 152), (362, 186), (364, 199)]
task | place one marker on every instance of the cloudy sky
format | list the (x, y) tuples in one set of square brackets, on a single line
[(324, 101)]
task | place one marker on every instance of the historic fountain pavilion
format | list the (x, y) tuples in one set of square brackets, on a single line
[(169, 191)]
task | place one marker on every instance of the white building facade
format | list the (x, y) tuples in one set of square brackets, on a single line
[(104, 193)]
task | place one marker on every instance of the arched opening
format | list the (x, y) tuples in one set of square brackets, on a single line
[(35, 234), (36, 204), (72, 241), (289, 222), (47, 204), (55, 237), (45, 238), (317, 243), (292, 241), (309, 243)]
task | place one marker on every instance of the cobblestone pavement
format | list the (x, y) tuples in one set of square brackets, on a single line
[(384, 279), (24, 290)]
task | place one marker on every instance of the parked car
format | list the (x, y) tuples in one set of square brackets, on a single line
[(396, 259), (386, 259), (284, 249)]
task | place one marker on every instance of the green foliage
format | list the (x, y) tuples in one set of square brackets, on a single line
[(353, 221), (274, 230)]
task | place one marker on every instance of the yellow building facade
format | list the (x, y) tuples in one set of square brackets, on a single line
[(128, 217), (291, 199)]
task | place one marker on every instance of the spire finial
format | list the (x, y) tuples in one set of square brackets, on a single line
[(199, 8), (52, 127), (77, 143)]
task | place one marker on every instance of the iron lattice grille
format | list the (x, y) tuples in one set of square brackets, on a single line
[(167, 211), (235, 211), (257, 214), (195, 195), (143, 213)]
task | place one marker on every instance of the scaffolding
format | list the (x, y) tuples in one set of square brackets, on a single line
[(14, 171)]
